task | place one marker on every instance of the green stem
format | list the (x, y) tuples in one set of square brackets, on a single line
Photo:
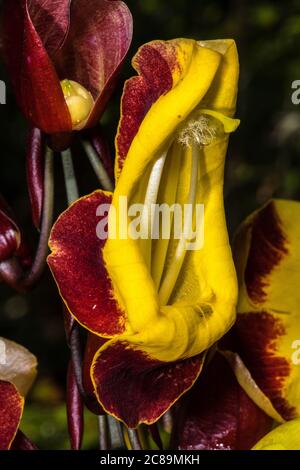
[(134, 439), (69, 175), (98, 166), (115, 433)]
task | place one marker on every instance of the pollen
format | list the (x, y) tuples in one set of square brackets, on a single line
[(79, 101), (202, 131)]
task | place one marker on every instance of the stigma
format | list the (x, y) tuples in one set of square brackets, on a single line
[(79, 101), (205, 127)]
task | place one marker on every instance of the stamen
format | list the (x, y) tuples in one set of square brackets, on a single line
[(151, 198), (173, 271), (201, 131), (205, 127)]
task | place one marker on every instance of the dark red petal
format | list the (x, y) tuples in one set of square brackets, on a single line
[(9, 233), (136, 388), (33, 75), (11, 408), (217, 414), (268, 247), (51, 20), (154, 63), (78, 268), (97, 42), (257, 334), (93, 344), (35, 173), (74, 410)]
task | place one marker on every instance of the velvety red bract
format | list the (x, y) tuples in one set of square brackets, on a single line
[(34, 78), (47, 41), (217, 414), (11, 408)]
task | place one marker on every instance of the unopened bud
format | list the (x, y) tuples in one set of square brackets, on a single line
[(9, 237), (79, 101)]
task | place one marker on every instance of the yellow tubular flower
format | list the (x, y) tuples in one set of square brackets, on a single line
[(179, 302), (159, 302)]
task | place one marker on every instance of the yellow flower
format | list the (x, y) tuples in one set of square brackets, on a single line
[(284, 437), (161, 301)]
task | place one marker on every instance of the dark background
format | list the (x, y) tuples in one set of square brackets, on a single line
[(263, 162)]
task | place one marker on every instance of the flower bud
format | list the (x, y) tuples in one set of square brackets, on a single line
[(79, 101), (9, 237)]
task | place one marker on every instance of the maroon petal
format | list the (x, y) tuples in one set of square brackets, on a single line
[(35, 174), (136, 388), (217, 414), (51, 20), (77, 265), (97, 42), (35, 81), (257, 334)]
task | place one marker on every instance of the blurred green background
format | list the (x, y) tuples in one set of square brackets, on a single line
[(263, 161)]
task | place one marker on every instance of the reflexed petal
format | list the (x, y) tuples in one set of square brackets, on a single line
[(95, 47), (217, 414), (136, 388), (284, 437), (77, 265), (268, 258), (33, 75), (11, 408), (18, 367)]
